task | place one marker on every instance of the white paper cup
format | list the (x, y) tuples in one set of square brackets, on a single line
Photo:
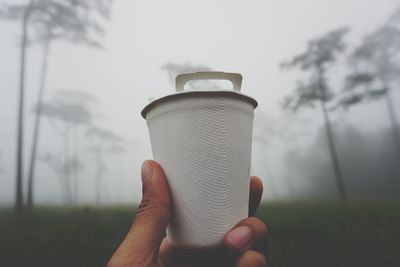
[(202, 140)]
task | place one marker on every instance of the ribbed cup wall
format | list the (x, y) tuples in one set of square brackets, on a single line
[(203, 144)]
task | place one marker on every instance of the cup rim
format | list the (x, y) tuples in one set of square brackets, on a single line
[(187, 94)]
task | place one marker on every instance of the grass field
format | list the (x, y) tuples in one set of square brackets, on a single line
[(301, 234)]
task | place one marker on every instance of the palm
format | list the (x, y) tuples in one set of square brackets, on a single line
[(145, 243)]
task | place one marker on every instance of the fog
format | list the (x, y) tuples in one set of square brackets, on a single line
[(93, 98)]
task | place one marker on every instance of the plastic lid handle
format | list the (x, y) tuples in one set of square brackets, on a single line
[(234, 78)]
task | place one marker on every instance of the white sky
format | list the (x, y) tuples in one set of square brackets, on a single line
[(251, 37)]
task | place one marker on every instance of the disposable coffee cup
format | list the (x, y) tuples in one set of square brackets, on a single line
[(202, 140)]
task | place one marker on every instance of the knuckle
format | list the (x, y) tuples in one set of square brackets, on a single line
[(116, 262), (253, 259), (152, 197), (258, 226), (259, 260), (149, 203)]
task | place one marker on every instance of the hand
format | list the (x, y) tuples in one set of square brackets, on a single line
[(145, 246)]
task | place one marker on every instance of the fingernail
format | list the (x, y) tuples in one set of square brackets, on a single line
[(147, 171), (240, 237)]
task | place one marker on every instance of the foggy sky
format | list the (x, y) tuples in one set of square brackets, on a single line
[(250, 37)]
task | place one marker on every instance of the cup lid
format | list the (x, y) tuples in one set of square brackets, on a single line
[(184, 78)]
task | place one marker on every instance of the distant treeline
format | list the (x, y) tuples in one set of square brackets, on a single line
[(369, 160)]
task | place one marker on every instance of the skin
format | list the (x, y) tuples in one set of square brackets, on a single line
[(145, 244)]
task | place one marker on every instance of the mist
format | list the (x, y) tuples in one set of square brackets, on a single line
[(92, 138)]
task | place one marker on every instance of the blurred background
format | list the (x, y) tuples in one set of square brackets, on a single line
[(75, 75)]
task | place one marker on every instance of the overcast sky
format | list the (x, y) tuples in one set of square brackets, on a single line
[(250, 37)]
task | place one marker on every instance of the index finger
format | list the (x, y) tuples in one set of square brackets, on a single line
[(256, 190)]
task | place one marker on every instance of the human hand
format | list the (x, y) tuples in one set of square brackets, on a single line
[(144, 246)]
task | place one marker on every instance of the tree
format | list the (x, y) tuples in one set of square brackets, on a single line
[(69, 113), (21, 13), (262, 135), (71, 20), (102, 135), (319, 56), (70, 108), (375, 71), (62, 168), (266, 132), (366, 157), (117, 150), (1, 169)]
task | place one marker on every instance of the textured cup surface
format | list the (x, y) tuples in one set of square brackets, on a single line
[(203, 143)]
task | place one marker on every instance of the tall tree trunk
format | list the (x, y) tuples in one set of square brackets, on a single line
[(67, 166), (334, 157), (393, 119), (98, 175), (76, 164), (119, 179), (290, 186), (36, 130), (19, 199)]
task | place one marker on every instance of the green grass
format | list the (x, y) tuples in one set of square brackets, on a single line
[(301, 234), (333, 235)]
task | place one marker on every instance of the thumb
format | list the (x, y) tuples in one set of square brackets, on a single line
[(142, 244)]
